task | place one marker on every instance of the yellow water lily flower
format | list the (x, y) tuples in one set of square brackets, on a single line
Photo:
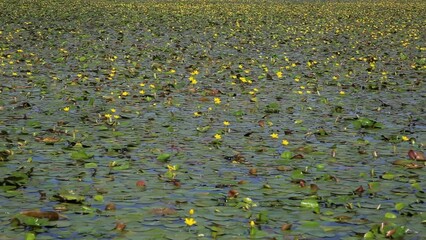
[(172, 168), (193, 80), (190, 221)]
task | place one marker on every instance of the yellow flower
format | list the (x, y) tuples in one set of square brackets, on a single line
[(142, 84), (285, 142), (190, 221), (243, 79), (191, 211), (116, 116), (142, 92), (197, 114), (217, 136), (66, 109), (113, 110), (342, 92), (279, 74), (124, 93), (405, 138), (226, 123), (195, 72), (252, 224), (108, 115), (274, 135), (172, 168), (152, 86), (192, 80), (217, 100)]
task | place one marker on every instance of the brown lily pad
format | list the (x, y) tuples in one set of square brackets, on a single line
[(284, 168), (286, 226), (416, 155), (50, 215), (163, 211), (48, 140)]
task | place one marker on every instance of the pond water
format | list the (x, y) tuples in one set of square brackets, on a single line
[(270, 119)]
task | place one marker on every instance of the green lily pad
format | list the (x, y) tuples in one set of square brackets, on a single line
[(81, 155), (164, 157), (70, 197)]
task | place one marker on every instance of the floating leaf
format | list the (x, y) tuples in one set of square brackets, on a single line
[(401, 162), (163, 211), (98, 198), (366, 123), (90, 165), (399, 206), (30, 221), (273, 108), (4, 154), (69, 197), (297, 174), (416, 155), (390, 215), (81, 155), (286, 155), (203, 129), (48, 140), (30, 236), (310, 224), (286, 226), (50, 215), (310, 203), (388, 176), (122, 166), (164, 157)]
